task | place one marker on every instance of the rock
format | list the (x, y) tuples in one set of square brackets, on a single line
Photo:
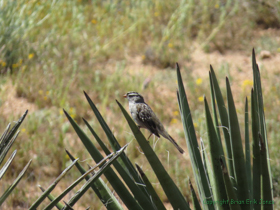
[(265, 54)]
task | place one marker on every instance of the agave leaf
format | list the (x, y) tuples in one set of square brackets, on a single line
[(111, 176), (7, 147), (154, 196), (4, 135), (216, 124), (265, 184), (258, 95), (51, 187), (206, 164), (113, 142), (172, 192), (195, 201), (13, 130), (102, 164), (256, 186), (190, 135), (51, 198), (137, 191), (7, 164), (215, 153), (237, 149), (247, 149), (140, 194), (103, 167), (260, 109), (229, 188), (100, 188), (14, 184), (224, 119)]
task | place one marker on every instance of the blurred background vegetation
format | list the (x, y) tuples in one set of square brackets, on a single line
[(50, 51)]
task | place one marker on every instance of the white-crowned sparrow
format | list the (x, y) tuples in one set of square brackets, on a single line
[(144, 116)]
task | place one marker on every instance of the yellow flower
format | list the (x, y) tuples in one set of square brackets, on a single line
[(217, 6), (4, 63), (23, 130), (40, 92), (61, 112), (176, 113), (173, 121), (156, 14), (72, 115), (31, 55), (170, 45), (93, 21), (247, 83), (48, 93), (20, 61), (195, 125), (200, 99), (45, 98), (15, 65), (278, 49), (143, 57), (198, 81)]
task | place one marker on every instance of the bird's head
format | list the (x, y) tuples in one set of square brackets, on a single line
[(134, 97)]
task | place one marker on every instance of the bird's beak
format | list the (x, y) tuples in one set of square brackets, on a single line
[(124, 96)]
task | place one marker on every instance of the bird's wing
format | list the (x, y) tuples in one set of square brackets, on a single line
[(145, 115)]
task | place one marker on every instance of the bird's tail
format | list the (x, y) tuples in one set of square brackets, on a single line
[(175, 144)]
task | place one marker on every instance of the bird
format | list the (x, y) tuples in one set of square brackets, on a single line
[(144, 116)]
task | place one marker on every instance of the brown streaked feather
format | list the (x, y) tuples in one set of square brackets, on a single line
[(144, 115)]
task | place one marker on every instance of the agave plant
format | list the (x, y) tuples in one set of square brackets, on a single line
[(91, 176), (6, 141), (235, 183), (228, 180)]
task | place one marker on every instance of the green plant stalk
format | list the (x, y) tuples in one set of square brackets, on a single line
[(154, 196), (7, 164), (237, 149), (256, 184), (103, 167), (195, 201), (190, 135), (125, 162), (171, 190), (231, 193), (51, 187), (14, 184), (247, 150), (141, 195), (51, 197), (266, 194), (224, 119), (3, 137), (206, 165), (111, 176), (260, 108), (216, 153), (6, 147), (100, 188), (216, 124), (14, 129)]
